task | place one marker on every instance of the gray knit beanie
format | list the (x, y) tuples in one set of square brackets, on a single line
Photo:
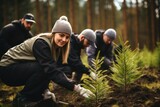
[(62, 26), (111, 33), (89, 35)]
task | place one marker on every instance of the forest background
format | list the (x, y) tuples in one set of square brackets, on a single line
[(137, 21)]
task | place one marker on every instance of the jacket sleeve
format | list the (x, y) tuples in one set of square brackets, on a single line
[(42, 53), (4, 45), (76, 63), (109, 56), (91, 54)]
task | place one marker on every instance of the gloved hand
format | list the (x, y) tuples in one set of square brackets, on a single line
[(107, 62), (82, 91), (47, 95), (93, 75)]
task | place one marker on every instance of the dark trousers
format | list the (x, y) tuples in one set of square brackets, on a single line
[(31, 75)]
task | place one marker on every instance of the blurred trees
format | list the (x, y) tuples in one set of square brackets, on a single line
[(125, 30), (12, 9), (38, 17), (135, 20), (49, 15)]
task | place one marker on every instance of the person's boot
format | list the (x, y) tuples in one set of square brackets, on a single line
[(22, 101)]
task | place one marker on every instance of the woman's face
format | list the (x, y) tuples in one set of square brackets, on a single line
[(61, 39)]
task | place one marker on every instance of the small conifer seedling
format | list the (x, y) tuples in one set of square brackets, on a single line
[(99, 86), (125, 70)]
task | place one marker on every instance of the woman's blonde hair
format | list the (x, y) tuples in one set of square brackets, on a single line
[(56, 52)]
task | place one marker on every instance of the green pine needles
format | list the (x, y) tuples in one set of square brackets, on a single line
[(150, 59), (99, 86), (125, 70), (157, 52)]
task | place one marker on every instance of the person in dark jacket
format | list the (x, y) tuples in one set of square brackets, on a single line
[(78, 42), (36, 62), (16, 32), (104, 43)]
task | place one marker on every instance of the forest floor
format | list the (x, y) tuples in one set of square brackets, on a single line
[(145, 92)]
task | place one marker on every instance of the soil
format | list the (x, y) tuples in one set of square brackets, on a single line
[(145, 92), (138, 94)]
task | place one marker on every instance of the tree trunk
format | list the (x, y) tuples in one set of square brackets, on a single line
[(147, 25), (49, 21), (124, 32), (89, 9), (153, 23), (71, 15), (38, 17), (137, 24), (100, 13), (113, 15), (103, 18), (61, 8), (98, 26), (131, 24), (94, 14)]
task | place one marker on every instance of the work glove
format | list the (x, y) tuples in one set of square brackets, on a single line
[(83, 92), (93, 75), (107, 62), (47, 95)]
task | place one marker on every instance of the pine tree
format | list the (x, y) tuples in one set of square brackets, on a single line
[(99, 86), (125, 70)]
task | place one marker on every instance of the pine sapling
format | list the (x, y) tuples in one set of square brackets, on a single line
[(99, 86), (125, 70)]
